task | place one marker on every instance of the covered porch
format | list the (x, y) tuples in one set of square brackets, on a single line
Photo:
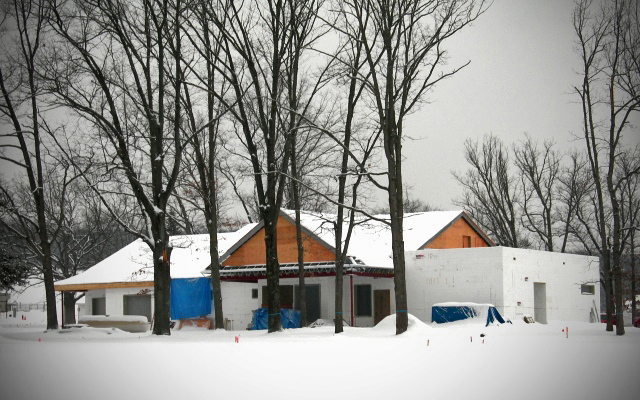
[(367, 292)]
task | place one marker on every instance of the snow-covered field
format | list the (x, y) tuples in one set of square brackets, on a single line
[(516, 361)]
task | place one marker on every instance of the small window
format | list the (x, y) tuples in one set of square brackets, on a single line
[(254, 293), (363, 300), (466, 241), (588, 289)]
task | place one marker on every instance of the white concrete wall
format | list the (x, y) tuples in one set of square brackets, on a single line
[(563, 275), (502, 276), (460, 275), (92, 294), (237, 303)]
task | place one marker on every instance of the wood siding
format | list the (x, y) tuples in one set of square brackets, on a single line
[(453, 237), (253, 250)]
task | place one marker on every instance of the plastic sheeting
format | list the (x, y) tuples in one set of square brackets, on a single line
[(289, 318), (443, 313), (190, 298)]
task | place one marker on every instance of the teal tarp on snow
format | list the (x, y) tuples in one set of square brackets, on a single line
[(451, 312), (190, 298)]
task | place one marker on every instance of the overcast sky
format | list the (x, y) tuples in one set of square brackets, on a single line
[(523, 66)]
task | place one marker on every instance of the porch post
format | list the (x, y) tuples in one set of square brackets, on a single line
[(62, 305), (351, 297)]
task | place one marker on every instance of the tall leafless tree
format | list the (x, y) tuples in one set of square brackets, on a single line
[(110, 66), (255, 38), (20, 110), (492, 191), (539, 172), (403, 45), (608, 44)]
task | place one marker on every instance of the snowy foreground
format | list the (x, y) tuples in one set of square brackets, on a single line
[(516, 361)]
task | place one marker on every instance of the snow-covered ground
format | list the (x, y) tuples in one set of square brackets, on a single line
[(516, 361)]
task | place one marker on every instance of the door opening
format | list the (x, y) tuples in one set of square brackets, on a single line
[(381, 305), (540, 302)]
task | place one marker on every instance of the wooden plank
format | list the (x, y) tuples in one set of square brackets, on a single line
[(95, 286)]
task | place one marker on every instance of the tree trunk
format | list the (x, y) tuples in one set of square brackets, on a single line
[(215, 280), (619, 298), (273, 271), (161, 285), (633, 278), (301, 281), (50, 294), (296, 204), (69, 300), (608, 289)]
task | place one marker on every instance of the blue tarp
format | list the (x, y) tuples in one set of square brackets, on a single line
[(288, 317), (441, 314), (190, 298)]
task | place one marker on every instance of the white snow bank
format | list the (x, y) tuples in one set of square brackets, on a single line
[(388, 324), (85, 319)]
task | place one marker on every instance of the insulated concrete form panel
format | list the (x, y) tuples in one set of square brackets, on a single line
[(453, 275), (238, 304), (504, 277), (563, 274)]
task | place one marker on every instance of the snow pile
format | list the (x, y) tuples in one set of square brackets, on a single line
[(415, 326), (85, 319)]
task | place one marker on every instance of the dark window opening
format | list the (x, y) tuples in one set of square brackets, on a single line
[(587, 289), (254, 293), (362, 300)]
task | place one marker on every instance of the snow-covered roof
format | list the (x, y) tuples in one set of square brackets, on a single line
[(371, 239), (134, 263)]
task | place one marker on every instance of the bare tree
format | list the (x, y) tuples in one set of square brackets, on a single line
[(573, 188), (630, 214), (608, 38), (403, 47), (255, 39), (110, 67), (539, 173), (491, 192), (20, 110)]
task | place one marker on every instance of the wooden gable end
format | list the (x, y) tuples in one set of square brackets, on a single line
[(459, 234), (252, 252)]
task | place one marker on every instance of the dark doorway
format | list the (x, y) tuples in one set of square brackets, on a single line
[(312, 293), (540, 302), (98, 306), (137, 305), (381, 305)]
